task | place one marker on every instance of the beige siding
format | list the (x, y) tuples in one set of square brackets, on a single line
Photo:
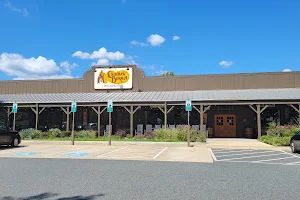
[(142, 83)]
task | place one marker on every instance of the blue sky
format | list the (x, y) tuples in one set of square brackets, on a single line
[(56, 39)]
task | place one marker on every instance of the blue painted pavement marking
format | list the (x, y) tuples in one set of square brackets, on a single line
[(76, 154), (26, 153)]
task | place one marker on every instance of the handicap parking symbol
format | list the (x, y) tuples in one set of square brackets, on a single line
[(76, 154), (26, 153)]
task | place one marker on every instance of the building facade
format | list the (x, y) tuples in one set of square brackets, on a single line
[(223, 117)]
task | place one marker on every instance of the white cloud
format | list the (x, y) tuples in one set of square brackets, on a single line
[(15, 65), (225, 63), (11, 7), (176, 37), (136, 43), (44, 77), (154, 70), (156, 40), (68, 67), (102, 62), (129, 60), (102, 53), (287, 70)]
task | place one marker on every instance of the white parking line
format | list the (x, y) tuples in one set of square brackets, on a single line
[(62, 151), (243, 154), (272, 159), (293, 163), (230, 151), (250, 157), (213, 155), (160, 153), (112, 151), (289, 153)]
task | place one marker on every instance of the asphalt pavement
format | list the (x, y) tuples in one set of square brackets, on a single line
[(34, 178)]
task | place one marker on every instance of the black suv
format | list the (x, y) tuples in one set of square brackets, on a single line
[(295, 143), (9, 137)]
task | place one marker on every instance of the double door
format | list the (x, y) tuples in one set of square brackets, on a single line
[(225, 125)]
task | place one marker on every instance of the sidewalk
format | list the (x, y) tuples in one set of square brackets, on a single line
[(240, 143)]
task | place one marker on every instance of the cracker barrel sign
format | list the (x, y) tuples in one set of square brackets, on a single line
[(113, 78)]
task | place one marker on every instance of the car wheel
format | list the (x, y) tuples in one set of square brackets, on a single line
[(293, 147), (15, 142)]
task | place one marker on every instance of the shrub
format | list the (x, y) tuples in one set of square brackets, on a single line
[(44, 135), (149, 136), (86, 134), (54, 132), (193, 136), (30, 133), (201, 137), (139, 136), (166, 134), (64, 134), (121, 133), (128, 136), (182, 135), (275, 140)]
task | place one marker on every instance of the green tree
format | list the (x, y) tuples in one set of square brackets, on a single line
[(168, 74)]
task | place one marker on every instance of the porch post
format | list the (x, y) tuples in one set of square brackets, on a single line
[(298, 110), (258, 112), (99, 112), (258, 121), (36, 112), (99, 120), (131, 121), (37, 117), (131, 112), (14, 122), (201, 115), (8, 115), (166, 115), (68, 118)]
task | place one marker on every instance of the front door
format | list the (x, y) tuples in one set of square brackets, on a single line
[(225, 125)]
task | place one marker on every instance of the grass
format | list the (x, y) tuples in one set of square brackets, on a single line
[(106, 139)]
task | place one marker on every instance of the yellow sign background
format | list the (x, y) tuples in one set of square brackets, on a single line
[(112, 76)]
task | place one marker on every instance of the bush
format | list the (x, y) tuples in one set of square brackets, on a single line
[(44, 135), (30, 133), (65, 134), (128, 136), (139, 136), (275, 140), (149, 136), (54, 133), (179, 134), (201, 137), (86, 134), (121, 133)]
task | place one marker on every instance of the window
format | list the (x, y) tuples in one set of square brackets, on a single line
[(220, 121), (230, 121)]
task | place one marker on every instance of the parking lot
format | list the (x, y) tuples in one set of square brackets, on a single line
[(120, 151), (273, 157)]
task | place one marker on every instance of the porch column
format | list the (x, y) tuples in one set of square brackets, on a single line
[(258, 112), (298, 110), (14, 122), (99, 112), (68, 116), (131, 111), (166, 111), (36, 112), (201, 111), (8, 115)]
